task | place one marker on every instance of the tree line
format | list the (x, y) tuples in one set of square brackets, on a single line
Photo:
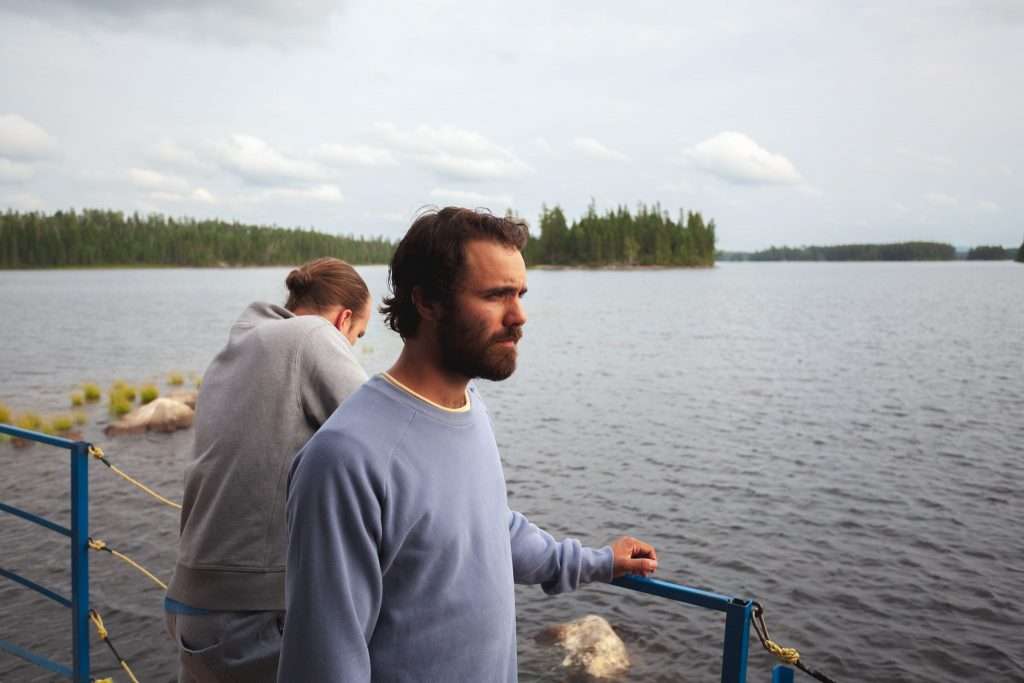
[(648, 237), (899, 251), (989, 253), (1020, 253), (94, 237)]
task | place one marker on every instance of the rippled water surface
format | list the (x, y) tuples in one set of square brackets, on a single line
[(842, 442)]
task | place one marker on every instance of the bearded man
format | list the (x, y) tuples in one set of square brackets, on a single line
[(402, 550)]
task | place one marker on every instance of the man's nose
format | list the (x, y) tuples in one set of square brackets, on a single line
[(515, 316)]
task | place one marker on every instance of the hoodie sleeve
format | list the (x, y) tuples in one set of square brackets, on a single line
[(558, 566), (329, 373), (334, 582)]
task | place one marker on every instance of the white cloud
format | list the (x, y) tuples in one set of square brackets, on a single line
[(14, 172), (173, 154), (540, 145), (940, 199), (596, 150), (24, 140), (317, 193), (152, 181), (357, 155), (453, 152), (472, 199), (201, 194), (736, 158), (258, 163)]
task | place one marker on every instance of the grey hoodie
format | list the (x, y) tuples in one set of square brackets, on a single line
[(263, 396)]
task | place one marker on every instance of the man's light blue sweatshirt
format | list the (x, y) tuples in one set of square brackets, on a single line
[(402, 550)]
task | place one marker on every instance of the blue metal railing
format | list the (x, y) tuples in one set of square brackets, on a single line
[(737, 612), (79, 535), (737, 623)]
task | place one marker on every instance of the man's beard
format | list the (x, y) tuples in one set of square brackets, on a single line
[(465, 351)]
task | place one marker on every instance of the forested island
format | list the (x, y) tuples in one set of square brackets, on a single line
[(101, 238), (1020, 253), (989, 253), (95, 238), (900, 251), (620, 238)]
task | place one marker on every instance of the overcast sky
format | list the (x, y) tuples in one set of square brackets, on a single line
[(787, 122)]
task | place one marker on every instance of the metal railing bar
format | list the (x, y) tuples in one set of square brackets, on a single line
[(35, 519), (674, 591), (28, 583), (38, 660), (37, 436)]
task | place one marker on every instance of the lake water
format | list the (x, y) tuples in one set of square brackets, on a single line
[(842, 442)]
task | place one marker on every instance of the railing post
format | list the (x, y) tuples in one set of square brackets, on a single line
[(782, 674), (737, 641), (80, 561)]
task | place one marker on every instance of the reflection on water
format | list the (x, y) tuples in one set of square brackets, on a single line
[(842, 442)]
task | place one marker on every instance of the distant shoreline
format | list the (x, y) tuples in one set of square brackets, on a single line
[(613, 266)]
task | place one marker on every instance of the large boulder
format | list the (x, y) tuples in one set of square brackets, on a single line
[(161, 415), (591, 647)]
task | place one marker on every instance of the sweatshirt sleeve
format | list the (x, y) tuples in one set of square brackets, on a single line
[(558, 566), (333, 585), (329, 373)]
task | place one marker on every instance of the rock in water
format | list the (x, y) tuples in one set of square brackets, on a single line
[(184, 396), (161, 415), (592, 647)]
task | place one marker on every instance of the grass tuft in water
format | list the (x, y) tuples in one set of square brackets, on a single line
[(175, 379), (91, 392), (77, 398), (148, 393), (62, 424), (79, 417), (5, 413), (119, 405), (29, 421), (123, 390)]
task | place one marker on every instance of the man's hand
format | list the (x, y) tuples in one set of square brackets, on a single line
[(631, 556)]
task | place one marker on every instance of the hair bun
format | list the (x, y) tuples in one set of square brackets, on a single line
[(298, 281)]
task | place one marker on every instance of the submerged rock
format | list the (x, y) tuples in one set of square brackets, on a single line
[(161, 415), (592, 647), (184, 396)]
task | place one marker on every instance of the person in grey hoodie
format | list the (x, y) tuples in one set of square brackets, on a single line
[(280, 376), (402, 548)]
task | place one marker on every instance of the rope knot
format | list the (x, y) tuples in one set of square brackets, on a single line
[(98, 621), (788, 655)]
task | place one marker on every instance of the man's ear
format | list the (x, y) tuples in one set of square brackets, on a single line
[(428, 310)]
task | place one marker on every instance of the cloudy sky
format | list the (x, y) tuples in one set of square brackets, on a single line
[(787, 122)]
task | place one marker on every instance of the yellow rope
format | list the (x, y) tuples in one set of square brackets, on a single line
[(102, 545), (97, 452), (105, 636), (788, 655)]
